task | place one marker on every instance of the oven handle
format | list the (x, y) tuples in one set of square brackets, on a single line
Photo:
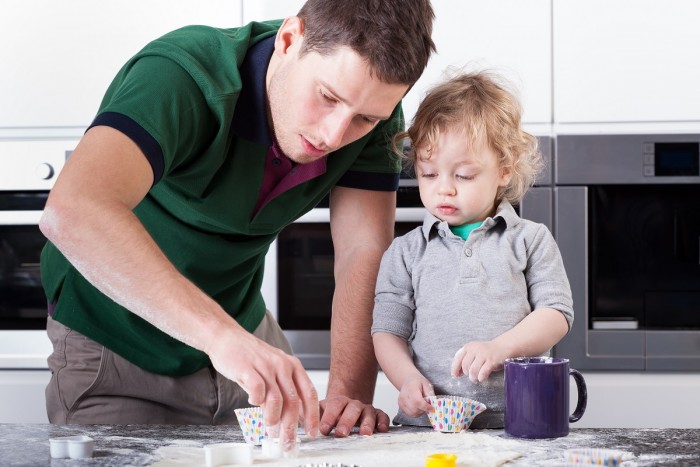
[(20, 217), (319, 215)]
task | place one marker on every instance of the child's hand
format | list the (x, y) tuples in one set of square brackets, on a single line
[(477, 360), (412, 396)]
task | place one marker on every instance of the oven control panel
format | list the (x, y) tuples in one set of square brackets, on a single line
[(32, 165), (627, 159)]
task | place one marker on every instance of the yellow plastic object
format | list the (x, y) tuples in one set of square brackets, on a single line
[(441, 460)]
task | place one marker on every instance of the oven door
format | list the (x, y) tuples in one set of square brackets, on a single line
[(628, 226), (299, 281), (23, 341)]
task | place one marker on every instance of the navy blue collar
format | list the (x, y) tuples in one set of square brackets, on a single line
[(250, 117)]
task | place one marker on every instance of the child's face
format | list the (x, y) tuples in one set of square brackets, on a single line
[(458, 184)]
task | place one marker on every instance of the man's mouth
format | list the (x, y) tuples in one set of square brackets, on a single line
[(311, 149)]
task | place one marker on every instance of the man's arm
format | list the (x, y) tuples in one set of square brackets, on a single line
[(89, 218), (362, 226)]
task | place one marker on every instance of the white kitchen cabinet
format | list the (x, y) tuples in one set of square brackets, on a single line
[(626, 61), (256, 10), (509, 37), (58, 57), (22, 398), (640, 400)]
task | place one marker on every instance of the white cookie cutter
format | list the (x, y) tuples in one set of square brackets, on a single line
[(75, 447), (228, 453)]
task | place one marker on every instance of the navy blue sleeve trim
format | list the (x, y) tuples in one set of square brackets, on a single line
[(370, 181), (138, 135)]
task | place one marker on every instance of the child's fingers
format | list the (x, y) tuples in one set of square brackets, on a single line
[(428, 389), (474, 369), (456, 367)]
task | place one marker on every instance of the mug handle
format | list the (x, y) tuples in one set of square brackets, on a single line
[(582, 399)]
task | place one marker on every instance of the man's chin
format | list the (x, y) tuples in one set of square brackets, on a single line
[(306, 158)]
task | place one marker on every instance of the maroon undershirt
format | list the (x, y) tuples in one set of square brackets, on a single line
[(281, 174)]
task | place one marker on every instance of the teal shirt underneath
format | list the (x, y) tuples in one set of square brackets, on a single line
[(464, 230)]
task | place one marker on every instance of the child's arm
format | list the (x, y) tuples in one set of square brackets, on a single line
[(535, 334), (395, 359)]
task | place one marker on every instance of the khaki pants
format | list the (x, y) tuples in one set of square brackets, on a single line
[(92, 385)]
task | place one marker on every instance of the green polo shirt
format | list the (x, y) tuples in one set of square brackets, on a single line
[(177, 99)]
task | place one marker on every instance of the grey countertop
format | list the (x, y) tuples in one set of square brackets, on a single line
[(138, 445)]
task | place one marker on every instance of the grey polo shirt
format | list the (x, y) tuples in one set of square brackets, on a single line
[(440, 292)]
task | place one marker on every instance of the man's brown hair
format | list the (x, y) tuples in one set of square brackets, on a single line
[(393, 36)]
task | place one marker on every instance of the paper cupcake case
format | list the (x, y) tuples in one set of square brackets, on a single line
[(453, 414), (594, 456), (251, 421)]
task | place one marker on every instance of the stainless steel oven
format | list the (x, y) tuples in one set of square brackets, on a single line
[(298, 285), (627, 220), (27, 172)]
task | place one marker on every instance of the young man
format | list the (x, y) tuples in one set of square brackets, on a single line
[(207, 143)]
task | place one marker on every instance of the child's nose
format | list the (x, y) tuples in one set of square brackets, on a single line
[(447, 187)]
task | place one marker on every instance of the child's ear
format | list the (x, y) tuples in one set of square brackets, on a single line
[(506, 175)]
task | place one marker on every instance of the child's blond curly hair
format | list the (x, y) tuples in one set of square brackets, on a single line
[(481, 106)]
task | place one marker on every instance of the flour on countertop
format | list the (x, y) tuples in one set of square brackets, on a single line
[(380, 450)]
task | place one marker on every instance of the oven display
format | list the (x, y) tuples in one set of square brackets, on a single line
[(676, 159)]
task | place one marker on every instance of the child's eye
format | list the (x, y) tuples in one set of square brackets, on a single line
[(326, 96), (428, 175), (466, 177), (369, 120)]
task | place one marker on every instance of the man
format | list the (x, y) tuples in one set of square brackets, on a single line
[(207, 143)]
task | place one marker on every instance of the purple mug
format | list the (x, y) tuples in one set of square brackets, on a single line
[(537, 397)]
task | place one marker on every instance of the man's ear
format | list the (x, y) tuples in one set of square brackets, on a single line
[(289, 34)]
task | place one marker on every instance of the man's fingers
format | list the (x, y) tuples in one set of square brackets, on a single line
[(254, 385), (272, 408), (351, 414), (368, 420), (331, 410), (309, 403), (382, 421), (290, 415)]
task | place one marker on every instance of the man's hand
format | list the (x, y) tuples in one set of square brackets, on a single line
[(273, 380), (344, 413)]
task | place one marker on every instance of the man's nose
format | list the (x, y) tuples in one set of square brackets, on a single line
[(335, 127)]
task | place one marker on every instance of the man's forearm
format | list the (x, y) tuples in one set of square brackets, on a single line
[(353, 363)]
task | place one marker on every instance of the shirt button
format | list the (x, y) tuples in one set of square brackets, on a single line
[(276, 161), (468, 252)]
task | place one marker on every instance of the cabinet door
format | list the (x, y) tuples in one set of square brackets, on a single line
[(257, 10), (626, 61), (509, 37), (58, 57)]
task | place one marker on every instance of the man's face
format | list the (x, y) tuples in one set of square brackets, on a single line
[(320, 103)]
